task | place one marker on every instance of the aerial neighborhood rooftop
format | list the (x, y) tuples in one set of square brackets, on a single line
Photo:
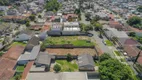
[(70, 40)]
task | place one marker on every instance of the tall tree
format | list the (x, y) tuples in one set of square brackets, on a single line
[(112, 69), (52, 5)]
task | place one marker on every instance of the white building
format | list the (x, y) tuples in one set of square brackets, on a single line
[(71, 26)]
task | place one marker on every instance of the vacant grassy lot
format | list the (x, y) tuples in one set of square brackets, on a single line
[(67, 66), (74, 40), (108, 43)]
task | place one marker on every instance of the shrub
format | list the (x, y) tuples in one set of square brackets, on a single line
[(57, 68), (69, 57)]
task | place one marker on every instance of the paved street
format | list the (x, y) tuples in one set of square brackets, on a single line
[(103, 47), (83, 19)]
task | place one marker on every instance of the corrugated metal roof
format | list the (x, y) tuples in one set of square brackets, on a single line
[(34, 52), (85, 59)]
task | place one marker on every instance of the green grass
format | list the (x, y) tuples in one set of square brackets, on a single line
[(20, 68), (122, 60), (67, 66), (96, 63), (74, 40), (117, 53), (108, 43), (17, 43)]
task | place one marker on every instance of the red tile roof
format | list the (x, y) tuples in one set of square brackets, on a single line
[(45, 28), (140, 59), (6, 68), (130, 42), (115, 24), (36, 27), (14, 52), (14, 17), (26, 70), (133, 51)]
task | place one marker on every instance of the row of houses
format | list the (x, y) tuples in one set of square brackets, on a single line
[(129, 45)]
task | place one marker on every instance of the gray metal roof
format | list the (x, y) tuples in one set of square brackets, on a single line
[(22, 37), (34, 52), (44, 58), (85, 59)]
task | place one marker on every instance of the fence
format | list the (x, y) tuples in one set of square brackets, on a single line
[(68, 46)]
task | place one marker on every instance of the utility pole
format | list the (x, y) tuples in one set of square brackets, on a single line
[(137, 56)]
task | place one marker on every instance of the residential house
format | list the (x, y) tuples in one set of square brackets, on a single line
[(121, 36), (14, 52), (102, 15), (116, 25), (11, 18), (34, 41), (7, 68), (56, 27), (44, 59), (29, 56), (36, 27), (8, 62), (86, 62), (13, 12), (43, 35), (112, 32), (71, 26), (3, 8), (22, 37), (132, 52)]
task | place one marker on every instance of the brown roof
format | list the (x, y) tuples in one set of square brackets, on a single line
[(131, 50), (14, 17), (14, 52), (36, 27), (45, 28), (140, 59), (115, 24), (26, 70), (130, 42), (6, 68)]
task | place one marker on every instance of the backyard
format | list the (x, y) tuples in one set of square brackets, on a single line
[(74, 40), (67, 66)]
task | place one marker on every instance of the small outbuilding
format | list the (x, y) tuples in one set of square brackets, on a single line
[(44, 59)]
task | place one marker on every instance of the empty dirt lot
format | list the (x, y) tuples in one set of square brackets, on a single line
[(75, 51)]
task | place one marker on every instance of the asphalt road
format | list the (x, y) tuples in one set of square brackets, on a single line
[(103, 47)]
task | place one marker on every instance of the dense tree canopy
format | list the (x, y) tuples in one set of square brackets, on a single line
[(139, 9), (112, 69), (52, 5), (32, 17), (135, 22)]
